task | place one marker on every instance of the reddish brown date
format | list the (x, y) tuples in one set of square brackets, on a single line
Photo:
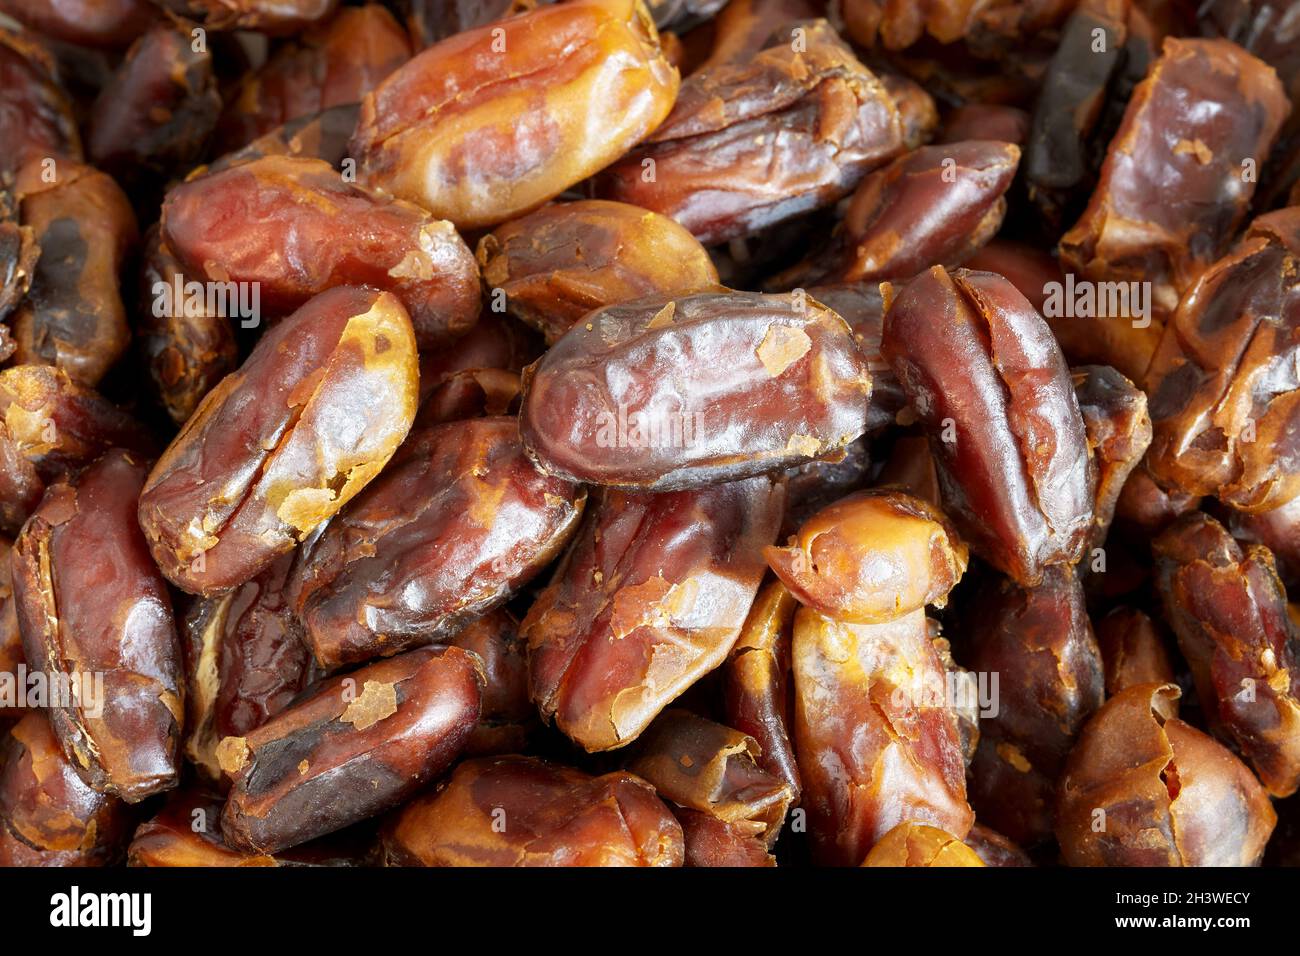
[(1118, 427), (1006, 124), (665, 395), (11, 639), (1133, 652), (509, 718), (1279, 531), (994, 849), (93, 23), (357, 746), (713, 842), (279, 446), (36, 119), (274, 17)]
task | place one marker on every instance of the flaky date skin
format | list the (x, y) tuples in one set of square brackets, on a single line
[(564, 260), (523, 811), (293, 226), (508, 718), (1170, 795), (876, 746), (1133, 652), (421, 552), (991, 389), (715, 843), (36, 120), (279, 446), (752, 143), (274, 17), (678, 393), (1229, 611), (488, 125), (91, 602), (356, 746), (649, 598), (1118, 427), (916, 844)]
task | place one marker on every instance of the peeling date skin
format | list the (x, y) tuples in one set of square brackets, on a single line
[(295, 227), (523, 811), (1171, 795), (357, 746), (36, 119), (871, 557), (1040, 643), (716, 386), (861, 305), (559, 263), (915, 844), (48, 815), (509, 718), (649, 598), (1172, 190), (279, 446), (420, 552), (11, 638), (488, 125), (91, 602), (1229, 612), (751, 144), (73, 316), (92, 23), (1133, 652), (272, 17), (1118, 427), (713, 842), (991, 388), (876, 745), (1225, 395)]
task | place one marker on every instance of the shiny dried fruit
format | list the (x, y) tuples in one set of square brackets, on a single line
[(11, 639), (713, 842), (92, 23), (1133, 652), (508, 718), (36, 119), (915, 844), (1118, 427), (274, 17)]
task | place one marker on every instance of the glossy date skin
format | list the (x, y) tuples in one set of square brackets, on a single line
[(1133, 652), (991, 389), (11, 638), (1279, 531), (488, 125), (523, 811), (322, 136), (273, 17), (564, 260), (508, 719), (1229, 611), (862, 306), (356, 746), (294, 226), (90, 601), (92, 23), (649, 598), (1118, 427), (716, 386), (715, 843), (420, 552), (1171, 795), (36, 119), (279, 446), (915, 844)]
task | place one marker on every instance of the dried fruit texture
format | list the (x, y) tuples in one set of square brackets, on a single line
[(918, 114), (279, 446), (11, 638), (716, 843), (557, 264), (1174, 187), (244, 662), (812, 486), (92, 23), (322, 136), (706, 766), (496, 342), (1006, 124), (153, 118), (991, 388), (522, 811), (994, 849), (897, 24), (862, 306), (756, 683), (1229, 612), (357, 746), (273, 17), (471, 393), (336, 62), (49, 428), (915, 844), (877, 742), (743, 27), (1050, 680), (1224, 392), (449, 531), (911, 468), (294, 227), (650, 597), (509, 718), (871, 557), (492, 122), (48, 816), (1142, 788), (1133, 652), (1146, 508), (96, 615), (1279, 531), (1118, 427), (680, 393), (36, 120), (18, 255), (73, 315), (750, 144), (430, 21)]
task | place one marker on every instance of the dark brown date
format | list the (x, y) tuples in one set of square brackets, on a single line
[(1133, 652), (430, 21), (92, 23), (273, 17), (322, 136), (1118, 427), (509, 718), (995, 849), (11, 639), (36, 118)]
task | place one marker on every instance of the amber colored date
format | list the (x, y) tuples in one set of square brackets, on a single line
[(710, 842), (916, 844)]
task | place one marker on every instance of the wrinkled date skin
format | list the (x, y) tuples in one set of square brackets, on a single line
[(750, 144), (73, 316), (565, 260), (420, 552), (357, 746), (871, 557), (90, 602), (990, 386), (48, 815), (36, 118), (915, 844), (650, 597), (492, 122), (522, 811), (11, 638), (93, 23), (509, 718), (295, 227), (666, 395), (1171, 795), (1133, 652), (1279, 531), (1118, 427), (713, 842), (862, 306), (1229, 612), (1225, 396), (273, 17), (1040, 644), (322, 136), (279, 446)]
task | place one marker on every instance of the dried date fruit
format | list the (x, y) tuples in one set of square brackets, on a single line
[(915, 844), (471, 393), (273, 17), (1133, 652), (432, 20), (812, 486), (1118, 427), (713, 842), (1147, 509), (743, 27), (1279, 531), (994, 849), (917, 113), (92, 23), (36, 119), (322, 136), (508, 719), (862, 306), (12, 687), (996, 121)]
